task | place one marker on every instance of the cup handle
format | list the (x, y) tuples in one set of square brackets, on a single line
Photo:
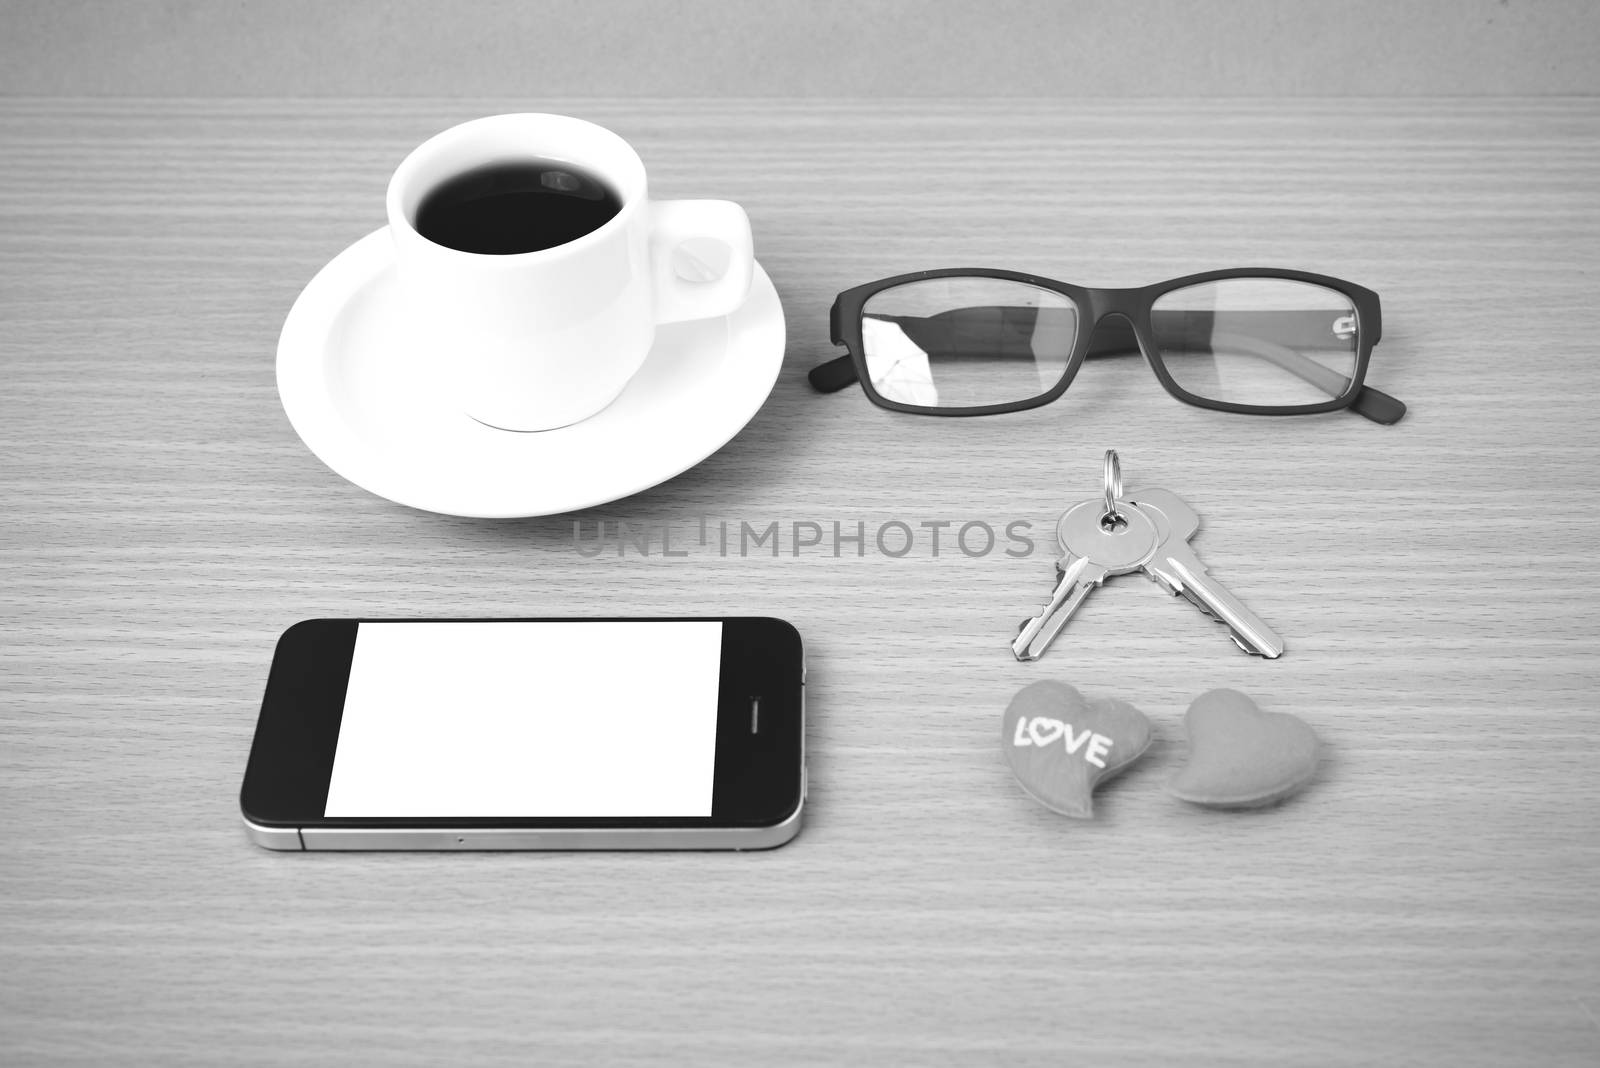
[(675, 221)]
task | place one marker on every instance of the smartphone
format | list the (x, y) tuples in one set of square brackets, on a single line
[(530, 734)]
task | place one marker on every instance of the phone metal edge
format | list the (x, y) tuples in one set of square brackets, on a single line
[(283, 839), (312, 839)]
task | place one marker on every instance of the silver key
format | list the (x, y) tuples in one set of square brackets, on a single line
[(1176, 567), (1091, 553)]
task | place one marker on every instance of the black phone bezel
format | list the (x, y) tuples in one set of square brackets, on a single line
[(757, 778)]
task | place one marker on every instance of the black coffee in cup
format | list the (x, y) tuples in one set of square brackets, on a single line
[(518, 206)]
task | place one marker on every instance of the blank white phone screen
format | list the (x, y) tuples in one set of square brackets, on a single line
[(529, 719)]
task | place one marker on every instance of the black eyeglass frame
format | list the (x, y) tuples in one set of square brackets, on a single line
[(1096, 306)]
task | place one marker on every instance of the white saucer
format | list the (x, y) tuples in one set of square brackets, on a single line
[(364, 403)]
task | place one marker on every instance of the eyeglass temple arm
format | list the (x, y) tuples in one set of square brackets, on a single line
[(1115, 337), (834, 375), (839, 372)]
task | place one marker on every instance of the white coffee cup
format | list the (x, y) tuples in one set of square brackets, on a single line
[(539, 340)]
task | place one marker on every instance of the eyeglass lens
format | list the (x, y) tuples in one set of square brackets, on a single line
[(967, 341), (1257, 341)]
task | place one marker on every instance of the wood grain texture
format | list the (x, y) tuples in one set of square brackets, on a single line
[(800, 48), (1429, 899)]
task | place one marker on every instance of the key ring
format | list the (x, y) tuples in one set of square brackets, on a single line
[(1113, 481)]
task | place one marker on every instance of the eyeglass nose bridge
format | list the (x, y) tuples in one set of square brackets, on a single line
[(1119, 310), (1107, 302), (1111, 321)]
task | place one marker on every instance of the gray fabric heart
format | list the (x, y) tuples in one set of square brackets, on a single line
[(1061, 746)]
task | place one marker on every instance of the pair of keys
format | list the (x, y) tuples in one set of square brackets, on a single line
[(1149, 532)]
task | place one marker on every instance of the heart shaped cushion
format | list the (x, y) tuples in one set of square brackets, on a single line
[(1061, 746), (1241, 756)]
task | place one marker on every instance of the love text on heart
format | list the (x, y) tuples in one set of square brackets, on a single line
[(1041, 731)]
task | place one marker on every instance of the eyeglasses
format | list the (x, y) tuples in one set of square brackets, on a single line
[(974, 342)]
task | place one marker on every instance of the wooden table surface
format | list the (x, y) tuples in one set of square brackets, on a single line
[(1430, 899)]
